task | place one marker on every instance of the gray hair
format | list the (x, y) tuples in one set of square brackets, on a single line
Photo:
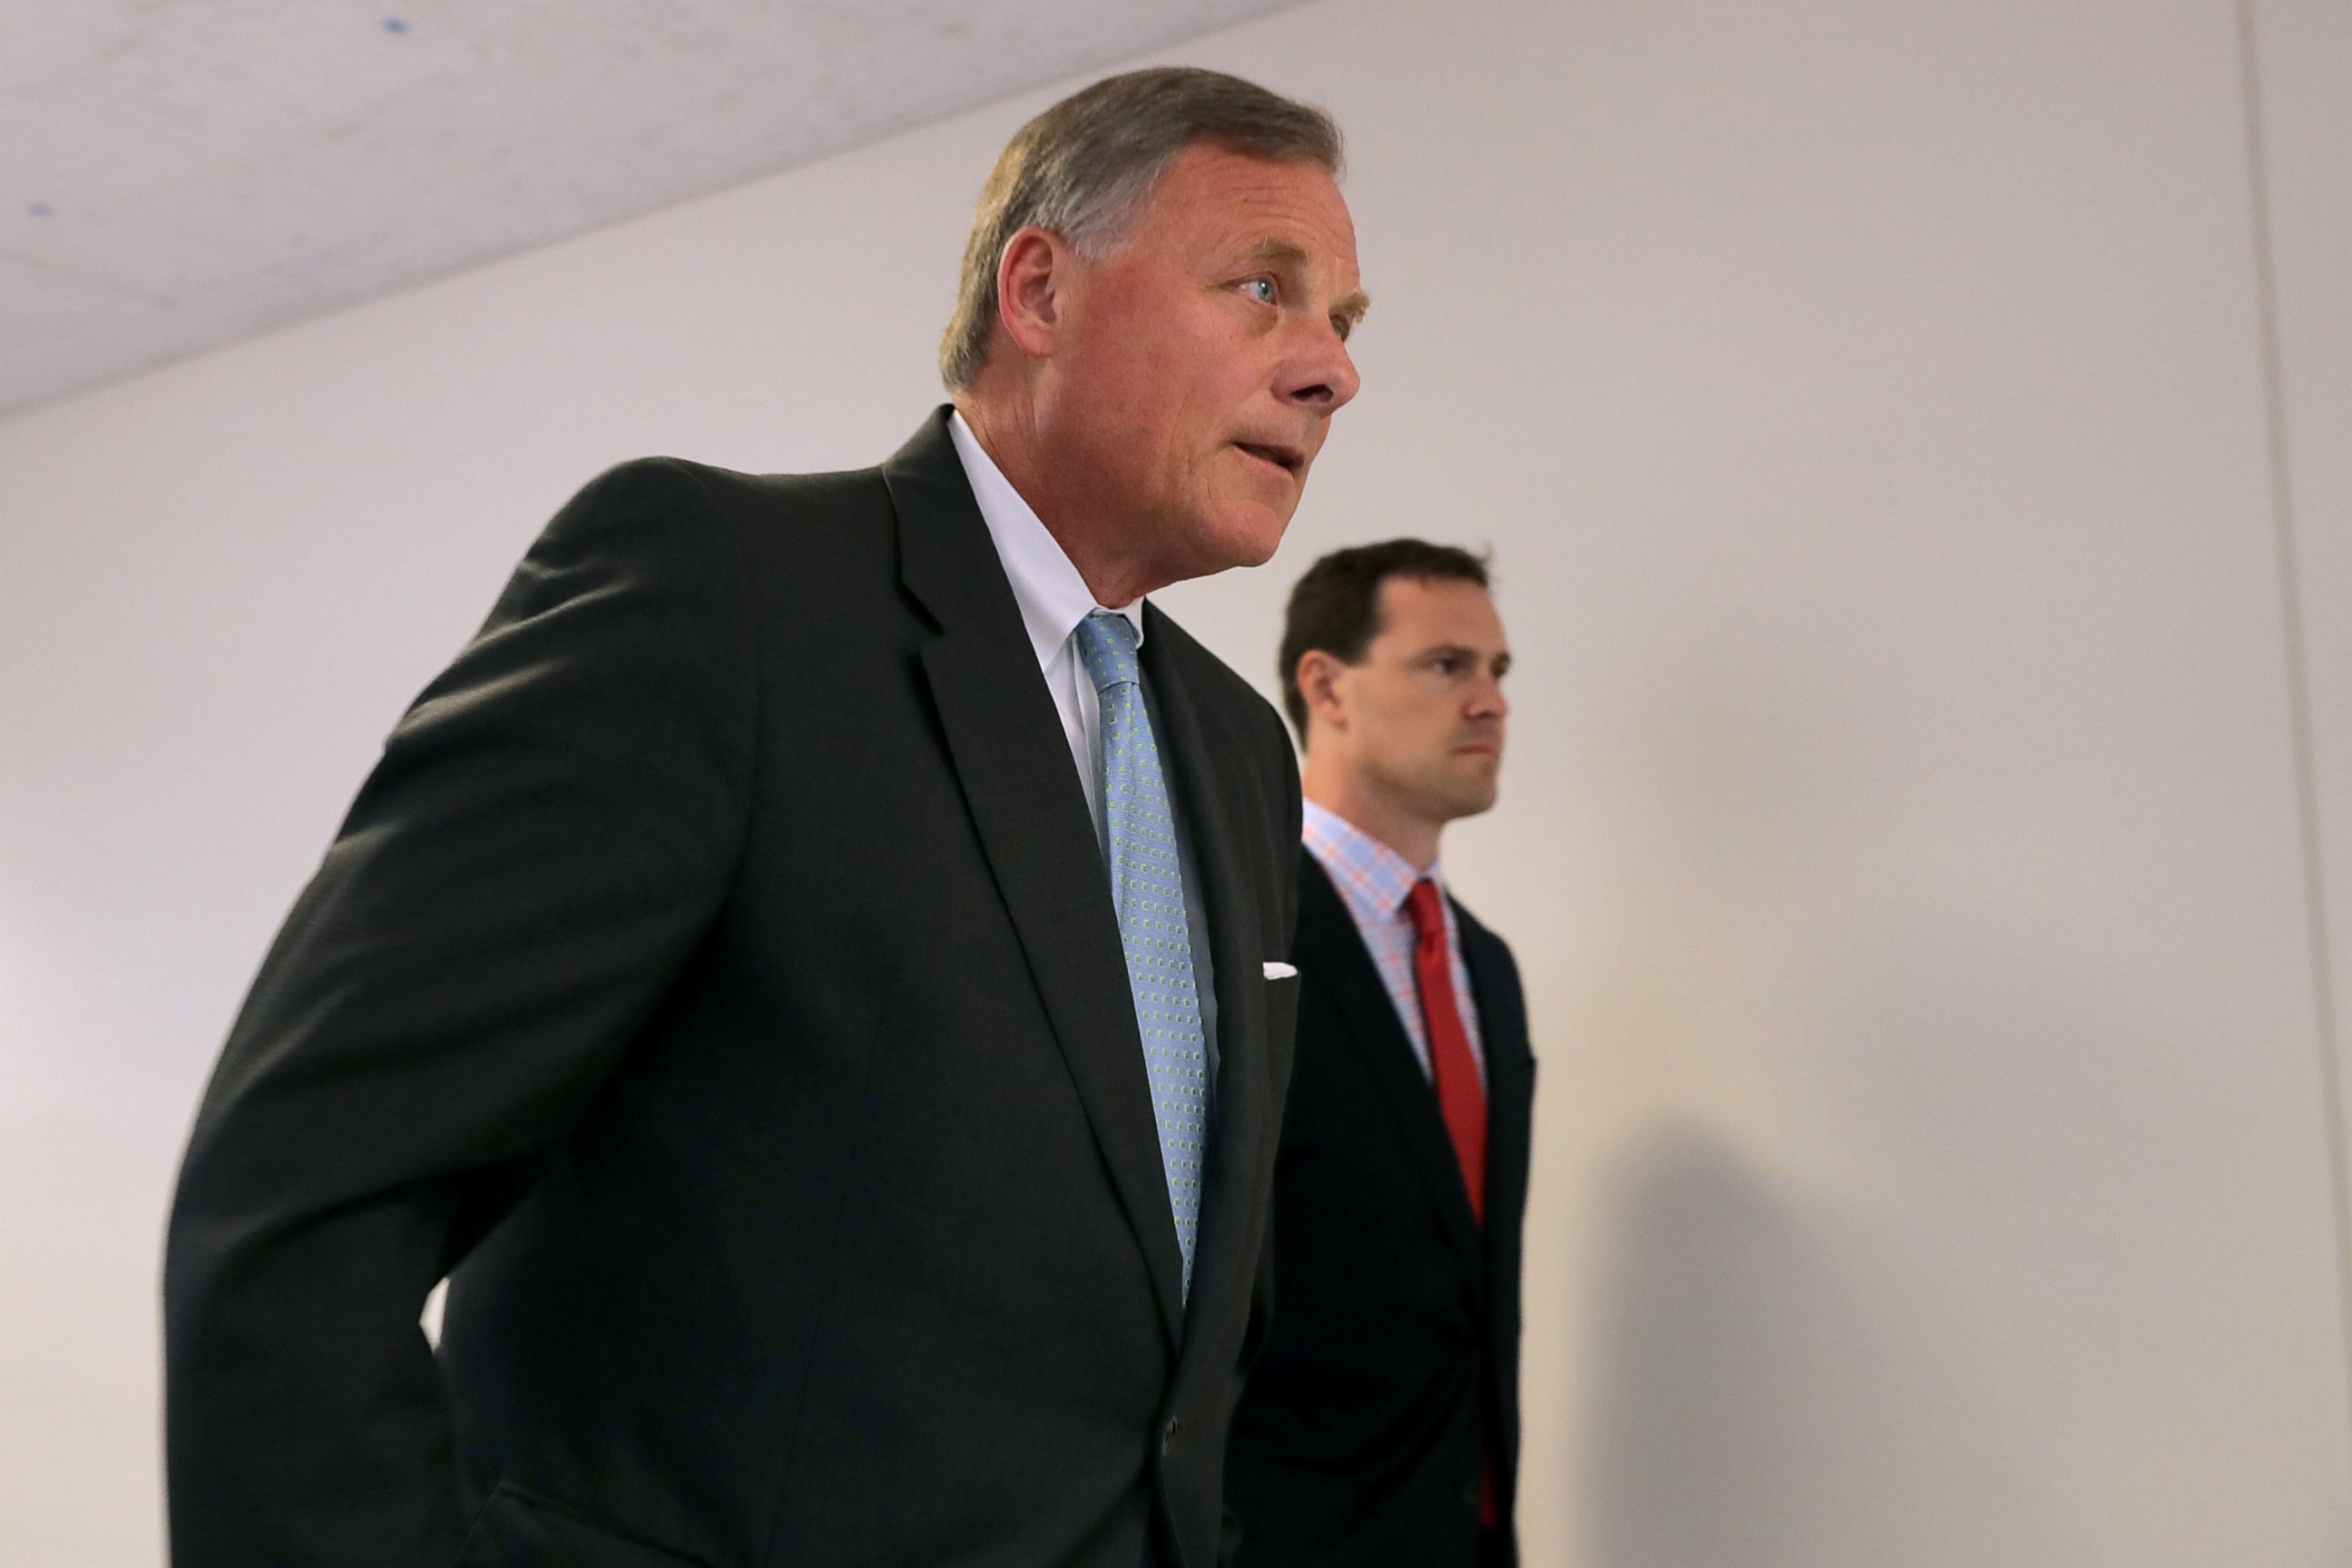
[(1083, 167)]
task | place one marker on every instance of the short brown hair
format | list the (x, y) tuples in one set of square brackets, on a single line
[(1335, 608), (1083, 167)]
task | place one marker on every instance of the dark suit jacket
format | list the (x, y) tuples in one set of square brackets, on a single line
[(1395, 1347), (718, 980)]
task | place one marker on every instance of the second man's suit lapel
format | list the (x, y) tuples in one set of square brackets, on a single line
[(1330, 947), (1013, 761), (1510, 1104)]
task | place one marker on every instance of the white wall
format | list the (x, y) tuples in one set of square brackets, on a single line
[(2304, 57), (1866, 401)]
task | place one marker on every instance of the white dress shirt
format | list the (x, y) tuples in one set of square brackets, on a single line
[(1054, 599)]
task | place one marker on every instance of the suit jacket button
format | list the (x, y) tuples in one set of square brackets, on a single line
[(1470, 1494), (1168, 1434)]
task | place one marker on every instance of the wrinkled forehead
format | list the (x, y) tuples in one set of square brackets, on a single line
[(1249, 200)]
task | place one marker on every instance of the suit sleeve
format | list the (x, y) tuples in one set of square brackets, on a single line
[(1289, 815), (551, 829)]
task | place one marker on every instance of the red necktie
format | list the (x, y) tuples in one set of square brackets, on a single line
[(1461, 1099), (1460, 1096)]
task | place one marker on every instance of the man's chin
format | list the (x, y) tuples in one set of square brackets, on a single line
[(1253, 536), (1241, 537), (1474, 796)]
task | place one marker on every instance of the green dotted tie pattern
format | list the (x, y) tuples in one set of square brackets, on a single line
[(1147, 884)]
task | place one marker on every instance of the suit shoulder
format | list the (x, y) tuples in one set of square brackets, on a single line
[(696, 535), (796, 533), (1325, 924), (1476, 930), (680, 483), (1315, 885)]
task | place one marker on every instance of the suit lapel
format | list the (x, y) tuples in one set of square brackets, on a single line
[(1511, 1096), (1013, 762), (1329, 946), (1200, 761)]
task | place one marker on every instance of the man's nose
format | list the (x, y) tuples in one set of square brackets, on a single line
[(1320, 373)]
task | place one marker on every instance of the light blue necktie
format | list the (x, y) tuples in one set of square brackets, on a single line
[(1147, 884)]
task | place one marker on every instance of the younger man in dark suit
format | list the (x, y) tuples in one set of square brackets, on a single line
[(1381, 1425)]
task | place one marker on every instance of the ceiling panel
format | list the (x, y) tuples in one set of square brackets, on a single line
[(178, 173)]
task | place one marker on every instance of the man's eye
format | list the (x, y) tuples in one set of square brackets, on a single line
[(1260, 290)]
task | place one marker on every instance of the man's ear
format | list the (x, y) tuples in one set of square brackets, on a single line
[(1033, 278), (1318, 676)]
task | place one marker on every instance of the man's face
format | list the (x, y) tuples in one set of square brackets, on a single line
[(1424, 710), (1202, 358)]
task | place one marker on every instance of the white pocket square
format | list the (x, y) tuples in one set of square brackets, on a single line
[(1278, 971)]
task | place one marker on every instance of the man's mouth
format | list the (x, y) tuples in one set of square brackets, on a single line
[(1289, 459)]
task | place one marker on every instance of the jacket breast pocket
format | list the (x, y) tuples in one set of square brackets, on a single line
[(519, 1528), (1281, 1023)]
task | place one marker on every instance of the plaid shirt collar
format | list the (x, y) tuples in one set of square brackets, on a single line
[(1374, 878)]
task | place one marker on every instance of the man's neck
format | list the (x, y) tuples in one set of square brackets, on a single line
[(1013, 443), (1409, 835)]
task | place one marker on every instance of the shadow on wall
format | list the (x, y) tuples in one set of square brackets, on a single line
[(1758, 1405)]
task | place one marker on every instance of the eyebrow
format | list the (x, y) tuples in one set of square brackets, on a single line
[(1457, 650), (1282, 253)]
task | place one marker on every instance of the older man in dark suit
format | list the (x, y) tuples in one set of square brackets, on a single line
[(1382, 1426), (809, 972)]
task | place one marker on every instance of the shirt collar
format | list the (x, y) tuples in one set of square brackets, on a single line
[(1052, 595), (1377, 869)]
